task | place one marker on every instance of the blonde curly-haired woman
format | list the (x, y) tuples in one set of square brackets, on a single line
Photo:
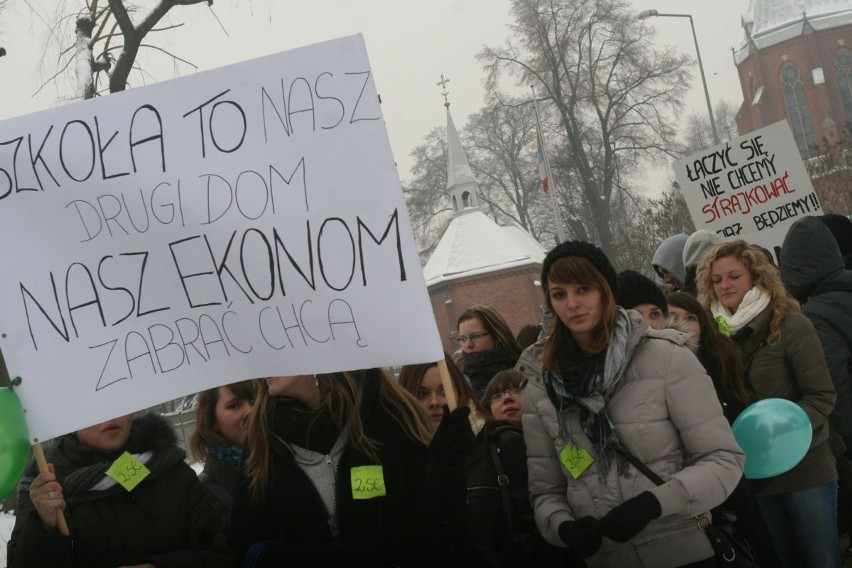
[(784, 357)]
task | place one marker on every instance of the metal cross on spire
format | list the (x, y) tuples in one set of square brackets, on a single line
[(443, 84)]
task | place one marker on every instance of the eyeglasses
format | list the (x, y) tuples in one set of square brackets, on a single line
[(475, 337), (498, 396)]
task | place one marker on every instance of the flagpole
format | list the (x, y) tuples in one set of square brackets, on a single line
[(554, 201)]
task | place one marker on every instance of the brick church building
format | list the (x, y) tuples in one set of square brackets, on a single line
[(796, 64), (478, 261)]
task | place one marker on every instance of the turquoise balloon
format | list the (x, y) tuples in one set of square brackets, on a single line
[(14, 441), (775, 434)]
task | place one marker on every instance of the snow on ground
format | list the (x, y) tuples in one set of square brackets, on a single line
[(7, 521)]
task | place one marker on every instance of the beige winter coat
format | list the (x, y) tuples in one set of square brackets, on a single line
[(666, 411)]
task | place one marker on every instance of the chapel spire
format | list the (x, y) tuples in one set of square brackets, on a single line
[(461, 184)]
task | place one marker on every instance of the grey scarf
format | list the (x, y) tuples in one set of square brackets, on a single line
[(590, 391)]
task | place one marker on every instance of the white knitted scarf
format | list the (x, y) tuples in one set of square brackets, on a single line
[(754, 302)]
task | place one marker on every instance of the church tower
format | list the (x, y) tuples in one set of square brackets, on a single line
[(478, 261), (460, 181)]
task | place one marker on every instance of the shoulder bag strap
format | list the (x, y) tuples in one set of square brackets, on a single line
[(503, 483), (640, 466)]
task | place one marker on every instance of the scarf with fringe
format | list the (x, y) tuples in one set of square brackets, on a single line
[(587, 381)]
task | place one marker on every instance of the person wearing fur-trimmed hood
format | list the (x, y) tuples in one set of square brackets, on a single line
[(601, 385), (166, 521)]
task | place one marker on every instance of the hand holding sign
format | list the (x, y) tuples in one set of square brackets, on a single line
[(14, 441)]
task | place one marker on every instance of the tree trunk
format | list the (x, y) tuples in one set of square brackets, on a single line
[(85, 61)]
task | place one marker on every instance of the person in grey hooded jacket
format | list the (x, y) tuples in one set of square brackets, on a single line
[(696, 246), (668, 262)]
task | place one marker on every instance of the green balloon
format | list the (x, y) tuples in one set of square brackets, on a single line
[(14, 441)]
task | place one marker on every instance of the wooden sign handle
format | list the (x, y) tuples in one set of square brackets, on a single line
[(61, 523), (447, 382)]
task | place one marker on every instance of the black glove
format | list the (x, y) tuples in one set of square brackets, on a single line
[(583, 536), (628, 519), (453, 441)]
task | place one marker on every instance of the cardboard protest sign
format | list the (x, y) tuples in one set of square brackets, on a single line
[(243, 222), (752, 187)]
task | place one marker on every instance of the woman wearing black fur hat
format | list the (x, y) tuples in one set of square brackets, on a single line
[(602, 386), (166, 520)]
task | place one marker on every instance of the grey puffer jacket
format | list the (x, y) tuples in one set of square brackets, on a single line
[(811, 260), (666, 412)]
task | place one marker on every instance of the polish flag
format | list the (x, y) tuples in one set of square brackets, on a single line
[(542, 171)]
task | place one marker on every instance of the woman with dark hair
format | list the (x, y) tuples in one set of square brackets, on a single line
[(605, 392), (721, 360), (528, 335), (424, 382), (487, 344), (498, 528), (717, 354), (339, 472), (490, 533), (220, 432), (503, 399), (782, 353)]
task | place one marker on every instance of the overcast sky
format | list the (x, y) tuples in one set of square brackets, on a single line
[(410, 45)]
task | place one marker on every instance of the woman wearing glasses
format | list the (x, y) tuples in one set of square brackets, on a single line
[(488, 345), (498, 527)]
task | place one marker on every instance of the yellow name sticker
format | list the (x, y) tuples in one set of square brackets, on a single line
[(575, 459), (368, 481), (128, 471)]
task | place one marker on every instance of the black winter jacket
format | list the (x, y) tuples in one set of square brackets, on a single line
[(485, 539), (220, 480), (406, 527), (811, 261), (167, 520)]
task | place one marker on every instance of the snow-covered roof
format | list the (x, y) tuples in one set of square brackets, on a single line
[(772, 21), (474, 244)]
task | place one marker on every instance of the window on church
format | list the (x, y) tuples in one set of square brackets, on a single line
[(466, 199), (798, 112), (843, 71)]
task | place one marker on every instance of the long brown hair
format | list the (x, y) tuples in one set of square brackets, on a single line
[(728, 372), (495, 325), (410, 377), (341, 393), (207, 433), (763, 274), (579, 270)]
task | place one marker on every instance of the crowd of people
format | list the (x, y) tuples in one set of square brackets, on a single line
[(600, 436)]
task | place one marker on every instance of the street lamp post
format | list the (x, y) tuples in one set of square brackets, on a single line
[(644, 14)]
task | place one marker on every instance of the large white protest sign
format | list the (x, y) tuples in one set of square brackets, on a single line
[(752, 187), (243, 222)]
